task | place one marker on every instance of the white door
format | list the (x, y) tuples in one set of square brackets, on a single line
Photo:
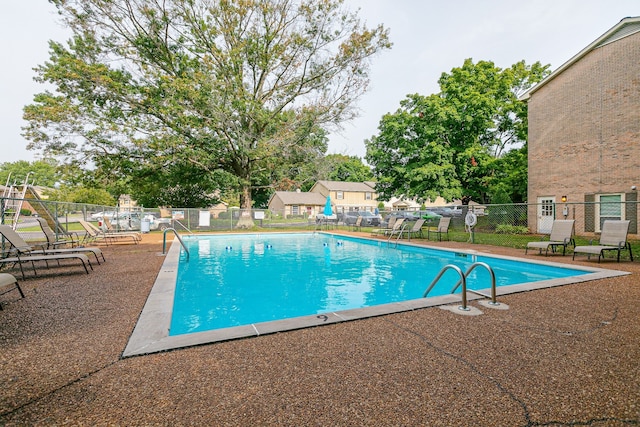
[(545, 214)]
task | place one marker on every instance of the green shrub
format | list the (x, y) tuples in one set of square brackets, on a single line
[(511, 229)]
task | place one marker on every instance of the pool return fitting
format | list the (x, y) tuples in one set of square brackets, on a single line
[(463, 281)]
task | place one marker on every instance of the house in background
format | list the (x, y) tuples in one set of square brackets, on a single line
[(294, 203), (348, 196), (126, 203), (584, 135)]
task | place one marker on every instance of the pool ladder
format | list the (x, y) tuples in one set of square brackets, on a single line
[(164, 241), (463, 281), (400, 233)]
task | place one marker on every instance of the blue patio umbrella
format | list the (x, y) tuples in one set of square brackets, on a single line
[(327, 207)]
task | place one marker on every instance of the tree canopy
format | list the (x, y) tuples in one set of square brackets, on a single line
[(40, 172), (452, 144), (188, 98), (347, 169)]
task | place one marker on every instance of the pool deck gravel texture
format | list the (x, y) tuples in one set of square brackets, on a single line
[(568, 355)]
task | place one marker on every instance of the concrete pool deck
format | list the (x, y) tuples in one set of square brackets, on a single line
[(559, 356)]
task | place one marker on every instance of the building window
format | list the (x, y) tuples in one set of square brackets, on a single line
[(295, 210), (610, 206), (367, 195), (339, 195)]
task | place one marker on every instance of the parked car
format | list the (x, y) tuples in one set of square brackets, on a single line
[(407, 215), (442, 211), (430, 215), (100, 215), (127, 221), (156, 223), (368, 218)]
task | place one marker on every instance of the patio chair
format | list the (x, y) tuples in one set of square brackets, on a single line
[(20, 252), (442, 228), (612, 238), (357, 226), (562, 231), (385, 230), (52, 242), (111, 229), (394, 223), (8, 283), (415, 230), (94, 234)]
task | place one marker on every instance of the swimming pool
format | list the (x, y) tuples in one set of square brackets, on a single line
[(251, 278), (360, 278)]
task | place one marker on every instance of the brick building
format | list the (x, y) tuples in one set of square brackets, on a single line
[(584, 135)]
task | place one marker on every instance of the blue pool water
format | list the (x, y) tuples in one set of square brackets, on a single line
[(235, 280)]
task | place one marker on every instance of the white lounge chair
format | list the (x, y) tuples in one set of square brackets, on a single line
[(562, 231), (612, 238)]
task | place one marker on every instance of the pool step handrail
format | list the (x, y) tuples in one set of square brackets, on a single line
[(183, 226), (463, 282), (400, 232), (164, 241), (493, 281)]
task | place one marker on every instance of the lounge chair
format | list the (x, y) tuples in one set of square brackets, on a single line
[(385, 230), (111, 229), (8, 283), (358, 224), (561, 235), (54, 241), (94, 234), (415, 230), (20, 252), (442, 228), (612, 238), (51, 243), (397, 227)]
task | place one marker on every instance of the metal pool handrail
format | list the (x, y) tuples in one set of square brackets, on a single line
[(493, 281), (463, 281), (164, 241)]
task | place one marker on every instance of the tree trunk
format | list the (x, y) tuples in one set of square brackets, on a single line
[(245, 220)]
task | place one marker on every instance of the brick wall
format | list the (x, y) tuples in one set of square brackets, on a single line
[(584, 127)]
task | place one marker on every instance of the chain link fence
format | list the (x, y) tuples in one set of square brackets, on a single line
[(503, 225)]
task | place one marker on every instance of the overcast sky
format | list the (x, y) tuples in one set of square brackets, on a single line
[(430, 37)]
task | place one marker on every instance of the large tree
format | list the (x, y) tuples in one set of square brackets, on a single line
[(216, 88), (447, 144)]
